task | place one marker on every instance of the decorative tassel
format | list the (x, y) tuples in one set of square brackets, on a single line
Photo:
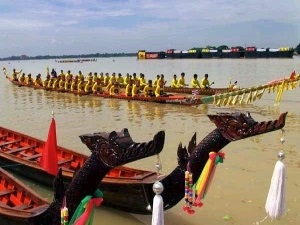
[(64, 213), (249, 98), (206, 176), (85, 211), (158, 204), (275, 204)]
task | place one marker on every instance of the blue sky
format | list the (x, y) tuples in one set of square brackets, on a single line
[(57, 27)]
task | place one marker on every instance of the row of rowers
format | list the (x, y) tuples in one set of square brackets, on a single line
[(65, 82), (107, 80)]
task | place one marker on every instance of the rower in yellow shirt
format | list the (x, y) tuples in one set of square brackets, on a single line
[(97, 87), (129, 87), (62, 83), (22, 78), (120, 79), (29, 79), (149, 89), (80, 75), (136, 89), (74, 85), (127, 79), (95, 77), (38, 80), (89, 85), (106, 79), (159, 91), (55, 85), (45, 82), (81, 85), (114, 89), (15, 75), (156, 80), (68, 83), (143, 81), (195, 82), (181, 80), (174, 83), (205, 84)]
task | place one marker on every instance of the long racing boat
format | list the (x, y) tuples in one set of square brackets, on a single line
[(184, 99)]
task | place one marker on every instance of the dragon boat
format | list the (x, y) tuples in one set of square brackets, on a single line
[(20, 205), (168, 99), (127, 188)]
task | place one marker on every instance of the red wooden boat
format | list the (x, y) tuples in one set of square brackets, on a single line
[(19, 205), (123, 187)]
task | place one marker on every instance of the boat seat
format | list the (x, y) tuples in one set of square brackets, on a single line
[(9, 142), (22, 207), (5, 192), (3, 136), (10, 150), (63, 161), (33, 156)]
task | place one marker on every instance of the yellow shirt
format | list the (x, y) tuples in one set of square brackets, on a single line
[(181, 82), (88, 87), (149, 91), (38, 82), (97, 87), (74, 86), (135, 90), (174, 83), (55, 84), (81, 86), (120, 80), (68, 84), (195, 83), (204, 83), (128, 90), (62, 84), (114, 90)]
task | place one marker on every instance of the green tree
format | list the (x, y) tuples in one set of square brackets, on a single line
[(297, 49)]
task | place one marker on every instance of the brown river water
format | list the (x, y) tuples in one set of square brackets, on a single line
[(238, 192)]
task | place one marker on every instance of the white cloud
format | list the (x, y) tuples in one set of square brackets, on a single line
[(149, 24)]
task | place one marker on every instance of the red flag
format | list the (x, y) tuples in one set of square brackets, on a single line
[(49, 157)]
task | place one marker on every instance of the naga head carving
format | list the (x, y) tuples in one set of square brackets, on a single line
[(118, 148), (236, 126)]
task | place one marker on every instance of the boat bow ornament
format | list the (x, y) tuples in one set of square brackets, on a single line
[(248, 95)]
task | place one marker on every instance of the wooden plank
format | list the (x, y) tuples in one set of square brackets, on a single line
[(9, 142), (3, 136), (5, 192), (22, 207), (19, 149), (63, 161), (33, 156)]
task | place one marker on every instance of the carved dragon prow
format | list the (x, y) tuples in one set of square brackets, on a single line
[(230, 127), (108, 150)]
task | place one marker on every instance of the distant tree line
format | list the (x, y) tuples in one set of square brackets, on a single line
[(297, 49), (96, 55), (106, 55)]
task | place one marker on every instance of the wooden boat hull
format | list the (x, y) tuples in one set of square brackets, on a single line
[(124, 188), (188, 90), (18, 204), (169, 99)]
